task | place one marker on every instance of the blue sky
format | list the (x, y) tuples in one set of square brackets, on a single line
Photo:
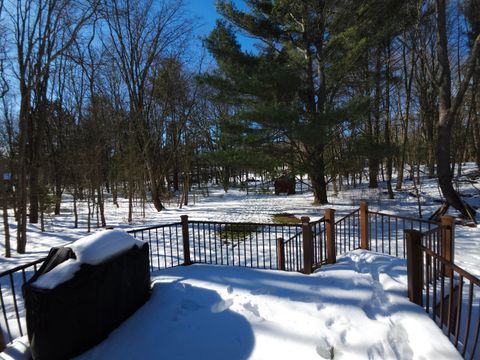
[(206, 13)]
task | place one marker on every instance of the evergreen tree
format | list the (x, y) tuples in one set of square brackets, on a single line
[(296, 87)]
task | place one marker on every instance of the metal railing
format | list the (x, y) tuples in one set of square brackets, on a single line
[(386, 232), (239, 244), (347, 233), (12, 321), (451, 296), (288, 247), (164, 241), (319, 237)]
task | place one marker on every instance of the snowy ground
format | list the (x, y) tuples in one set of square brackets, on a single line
[(236, 206), (330, 311), (356, 309)]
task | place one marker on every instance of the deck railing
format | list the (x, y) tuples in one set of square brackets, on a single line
[(165, 244), (449, 294), (12, 321), (299, 247)]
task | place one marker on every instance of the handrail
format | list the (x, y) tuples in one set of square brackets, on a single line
[(347, 216), (241, 223), (434, 230), (22, 267), (451, 265), (153, 227), (409, 218), (293, 237)]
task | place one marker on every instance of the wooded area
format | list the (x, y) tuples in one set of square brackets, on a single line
[(103, 99)]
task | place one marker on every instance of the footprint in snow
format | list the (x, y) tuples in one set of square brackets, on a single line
[(324, 349), (399, 342), (253, 309), (221, 306)]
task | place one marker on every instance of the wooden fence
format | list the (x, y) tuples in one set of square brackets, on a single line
[(305, 247)]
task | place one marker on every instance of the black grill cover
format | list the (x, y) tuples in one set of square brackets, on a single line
[(73, 317)]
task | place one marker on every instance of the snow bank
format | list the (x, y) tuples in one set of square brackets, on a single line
[(93, 250)]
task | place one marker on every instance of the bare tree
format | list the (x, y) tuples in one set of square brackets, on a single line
[(140, 33), (449, 107), (43, 32)]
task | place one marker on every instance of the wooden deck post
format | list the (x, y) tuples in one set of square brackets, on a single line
[(414, 266), (448, 237), (186, 241), (307, 245), (280, 254), (364, 226), (2, 341), (330, 238)]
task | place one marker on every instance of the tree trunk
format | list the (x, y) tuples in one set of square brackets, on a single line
[(156, 197), (444, 173), (89, 218), (130, 201), (6, 225), (22, 169), (58, 194), (75, 210), (317, 177), (34, 194), (447, 113), (476, 122), (389, 163), (100, 201)]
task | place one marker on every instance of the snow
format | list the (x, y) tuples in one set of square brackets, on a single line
[(355, 309), (92, 250), (18, 349), (58, 275), (101, 246)]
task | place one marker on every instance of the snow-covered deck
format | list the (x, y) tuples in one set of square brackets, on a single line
[(355, 309)]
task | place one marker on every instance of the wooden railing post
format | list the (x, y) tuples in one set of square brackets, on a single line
[(330, 238), (307, 245), (364, 226), (280, 254), (186, 240), (414, 266), (2, 340), (448, 237)]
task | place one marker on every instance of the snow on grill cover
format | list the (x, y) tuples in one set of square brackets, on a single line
[(84, 291)]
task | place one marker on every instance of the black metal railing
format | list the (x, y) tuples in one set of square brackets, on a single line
[(319, 243), (12, 321), (347, 233), (386, 232), (165, 244), (238, 244)]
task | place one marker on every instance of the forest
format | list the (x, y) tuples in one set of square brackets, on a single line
[(102, 99)]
